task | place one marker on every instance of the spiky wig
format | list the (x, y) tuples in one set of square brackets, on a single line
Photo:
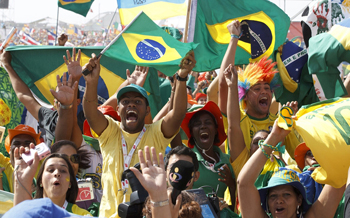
[(262, 70)]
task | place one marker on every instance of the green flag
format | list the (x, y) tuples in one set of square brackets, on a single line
[(264, 27), (81, 7), (39, 65), (145, 43)]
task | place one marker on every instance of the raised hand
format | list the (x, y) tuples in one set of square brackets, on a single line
[(5, 58), (293, 105), (62, 39), (234, 27), (24, 172), (139, 75), (65, 90), (187, 64), (230, 75), (73, 64), (153, 177), (94, 67)]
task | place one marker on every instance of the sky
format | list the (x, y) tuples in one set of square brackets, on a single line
[(25, 11)]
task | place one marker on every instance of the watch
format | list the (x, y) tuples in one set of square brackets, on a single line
[(180, 78)]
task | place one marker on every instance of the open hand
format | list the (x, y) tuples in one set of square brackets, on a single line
[(65, 90), (226, 175), (73, 64), (139, 75)]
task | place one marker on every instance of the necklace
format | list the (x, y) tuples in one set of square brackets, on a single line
[(207, 164)]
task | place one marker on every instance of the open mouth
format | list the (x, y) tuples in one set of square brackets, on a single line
[(56, 183), (131, 116), (204, 136), (279, 210), (263, 101)]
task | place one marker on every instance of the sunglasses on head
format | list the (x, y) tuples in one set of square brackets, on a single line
[(75, 158)]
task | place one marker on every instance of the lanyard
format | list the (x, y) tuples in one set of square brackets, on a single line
[(65, 204), (127, 157)]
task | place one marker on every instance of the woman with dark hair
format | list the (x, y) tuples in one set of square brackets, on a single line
[(204, 128), (55, 180)]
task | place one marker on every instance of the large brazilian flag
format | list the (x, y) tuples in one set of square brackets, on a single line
[(145, 43), (264, 25), (38, 66)]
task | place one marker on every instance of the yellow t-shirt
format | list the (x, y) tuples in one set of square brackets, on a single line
[(112, 153), (5, 162)]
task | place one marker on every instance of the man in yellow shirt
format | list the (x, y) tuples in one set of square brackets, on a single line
[(255, 85), (120, 141)]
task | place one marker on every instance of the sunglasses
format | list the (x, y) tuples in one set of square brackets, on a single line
[(75, 158)]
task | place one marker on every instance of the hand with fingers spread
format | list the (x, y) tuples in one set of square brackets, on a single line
[(94, 67), (226, 175), (139, 75), (231, 75), (153, 177), (73, 64), (187, 64), (65, 90)]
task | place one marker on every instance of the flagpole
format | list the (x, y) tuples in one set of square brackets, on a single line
[(111, 21), (187, 20), (58, 10), (86, 71)]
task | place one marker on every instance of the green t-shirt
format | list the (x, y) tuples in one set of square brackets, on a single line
[(210, 178)]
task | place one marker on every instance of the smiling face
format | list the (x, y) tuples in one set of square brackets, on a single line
[(258, 100), (203, 129), (283, 201), (55, 179), (69, 150), (132, 109)]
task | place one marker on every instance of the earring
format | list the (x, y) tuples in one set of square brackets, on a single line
[(298, 210), (69, 186), (41, 185)]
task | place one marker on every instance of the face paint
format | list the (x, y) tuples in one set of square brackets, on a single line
[(67, 179)]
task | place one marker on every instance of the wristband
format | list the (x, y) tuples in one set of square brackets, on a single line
[(66, 106), (160, 203), (264, 152), (180, 78), (235, 36)]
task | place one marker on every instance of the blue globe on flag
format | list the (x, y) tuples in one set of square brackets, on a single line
[(149, 50)]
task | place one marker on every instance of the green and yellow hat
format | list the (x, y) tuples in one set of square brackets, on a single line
[(284, 177)]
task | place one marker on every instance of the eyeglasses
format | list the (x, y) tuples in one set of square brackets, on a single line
[(309, 153), (75, 158)]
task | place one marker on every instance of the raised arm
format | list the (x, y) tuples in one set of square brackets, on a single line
[(22, 91), (172, 121), (23, 175), (235, 29), (234, 132), (96, 119), (248, 195), (67, 96), (213, 90)]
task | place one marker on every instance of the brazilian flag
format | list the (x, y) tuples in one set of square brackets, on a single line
[(81, 7), (144, 43), (264, 25), (39, 65)]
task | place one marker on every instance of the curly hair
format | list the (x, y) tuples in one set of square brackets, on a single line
[(189, 207)]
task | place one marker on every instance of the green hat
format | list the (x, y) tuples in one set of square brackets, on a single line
[(284, 177), (173, 32), (132, 88)]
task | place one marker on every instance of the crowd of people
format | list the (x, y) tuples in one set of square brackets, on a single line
[(223, 124)]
